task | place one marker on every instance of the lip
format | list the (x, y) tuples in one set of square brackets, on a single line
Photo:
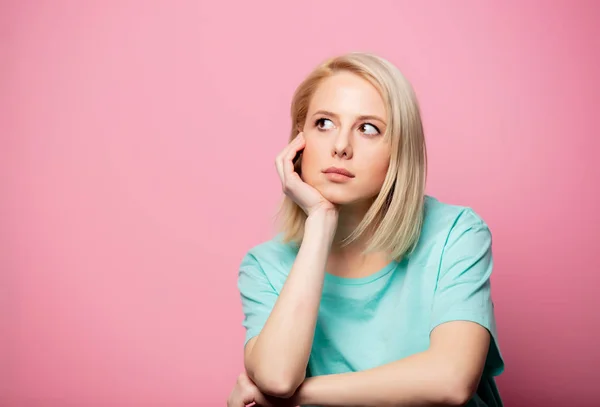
[(341, 171)]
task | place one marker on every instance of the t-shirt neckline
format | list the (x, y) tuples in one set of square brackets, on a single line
[(361, 280)]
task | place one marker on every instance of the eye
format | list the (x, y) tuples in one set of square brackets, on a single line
[(324, 124), (369, 129)]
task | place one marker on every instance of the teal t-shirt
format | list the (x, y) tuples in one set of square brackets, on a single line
[(389, 315)]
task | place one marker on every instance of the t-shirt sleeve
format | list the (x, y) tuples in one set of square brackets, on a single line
[(463, 289), (258, 295)]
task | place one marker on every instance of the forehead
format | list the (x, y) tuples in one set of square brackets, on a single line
[(345, 93)]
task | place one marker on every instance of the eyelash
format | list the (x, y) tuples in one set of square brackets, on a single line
[(370, 124)]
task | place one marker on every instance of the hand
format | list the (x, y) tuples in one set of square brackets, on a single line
[(307, 197), (245, 392)]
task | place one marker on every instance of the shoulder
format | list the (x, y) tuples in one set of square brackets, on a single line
[(442, 218), (445, 223), (446, 215), (273, 258)]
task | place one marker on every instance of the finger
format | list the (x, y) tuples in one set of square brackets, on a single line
[(279, 160), (279, 166), (250, 396), (234, 401), (239, 401), (240, 397), (288, 163)]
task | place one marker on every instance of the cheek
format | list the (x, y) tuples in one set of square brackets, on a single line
[(310, 160), (307, 166), (377, 176), (381, 171), (377, 166)]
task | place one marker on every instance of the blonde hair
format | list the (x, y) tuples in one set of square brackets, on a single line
[(395, 217)]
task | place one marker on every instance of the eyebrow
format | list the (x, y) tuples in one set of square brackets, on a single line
[(364, 117)]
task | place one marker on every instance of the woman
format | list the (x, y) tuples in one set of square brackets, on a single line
[(374, 294)]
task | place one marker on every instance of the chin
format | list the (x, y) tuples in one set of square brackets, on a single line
[(337, 196), (344, 196)]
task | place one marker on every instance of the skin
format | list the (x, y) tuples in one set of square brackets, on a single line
[(344, 128), (337, 133)]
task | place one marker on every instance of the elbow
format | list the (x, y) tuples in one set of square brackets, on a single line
[(276, 385), (458, 397), (279, 388), (458, 392), (274, 378)]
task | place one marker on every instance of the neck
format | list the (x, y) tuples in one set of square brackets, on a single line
[(349, 260), (349, 217)]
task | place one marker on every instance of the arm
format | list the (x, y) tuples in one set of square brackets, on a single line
[(447, 374), (462, 337), (276, 359)]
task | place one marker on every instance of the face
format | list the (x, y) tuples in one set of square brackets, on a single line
[(344, 129)]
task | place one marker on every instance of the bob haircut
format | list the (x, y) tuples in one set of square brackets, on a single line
[(395, 218)]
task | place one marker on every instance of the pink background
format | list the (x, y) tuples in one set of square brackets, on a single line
[(136, 157)]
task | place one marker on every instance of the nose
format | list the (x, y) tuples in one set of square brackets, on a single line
[(342, 146)]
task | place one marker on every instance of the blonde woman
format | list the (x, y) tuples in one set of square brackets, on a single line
[(373, 294)]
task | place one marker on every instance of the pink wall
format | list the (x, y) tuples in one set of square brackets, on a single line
[(137, 147)]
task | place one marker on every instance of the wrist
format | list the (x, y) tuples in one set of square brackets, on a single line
[(320, 226), (324, 218)]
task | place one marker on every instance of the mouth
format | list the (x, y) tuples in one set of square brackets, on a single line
[(339, 171)]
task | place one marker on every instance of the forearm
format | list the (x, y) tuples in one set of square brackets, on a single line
[(279, 356), (419, 380)]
